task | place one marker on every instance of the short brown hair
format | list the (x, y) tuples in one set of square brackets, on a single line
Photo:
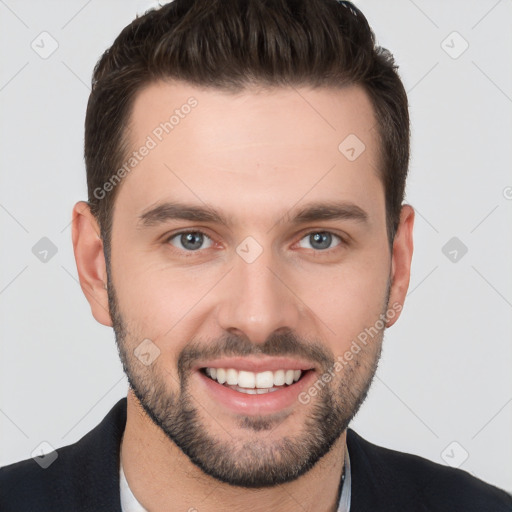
[(230, 45)]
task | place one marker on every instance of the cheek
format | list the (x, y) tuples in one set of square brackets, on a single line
[(159, 302), (145, 296), (346, 299)]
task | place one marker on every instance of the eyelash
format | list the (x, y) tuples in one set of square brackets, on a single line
[(198, 231)]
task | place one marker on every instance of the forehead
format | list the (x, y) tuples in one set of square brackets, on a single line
[(253, 114), (253, 148)]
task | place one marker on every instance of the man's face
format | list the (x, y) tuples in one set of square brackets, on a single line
[(261, 295)]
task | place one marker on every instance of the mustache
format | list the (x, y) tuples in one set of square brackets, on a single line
[(283, 343)]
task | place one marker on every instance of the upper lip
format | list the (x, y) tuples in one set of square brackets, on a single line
[(257, 364)]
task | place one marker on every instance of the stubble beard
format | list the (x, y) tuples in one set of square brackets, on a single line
[(264, 461)]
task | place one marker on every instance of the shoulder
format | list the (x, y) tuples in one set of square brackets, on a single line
[(393, 477), (29, 485), (26, 485), (81, 476)]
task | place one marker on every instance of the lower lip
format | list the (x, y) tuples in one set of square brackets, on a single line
[(266, 403)]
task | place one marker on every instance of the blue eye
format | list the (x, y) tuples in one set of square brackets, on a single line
[(190, 240), (320, 240), (194, 241)]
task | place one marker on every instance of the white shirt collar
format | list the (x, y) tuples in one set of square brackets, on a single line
[(129, 502)]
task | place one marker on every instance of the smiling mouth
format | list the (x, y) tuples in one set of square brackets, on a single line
[(254, 383)]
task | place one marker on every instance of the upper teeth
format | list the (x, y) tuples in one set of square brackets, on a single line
[(245, 379)]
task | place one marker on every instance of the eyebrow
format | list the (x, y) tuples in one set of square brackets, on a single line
[(312, 212)]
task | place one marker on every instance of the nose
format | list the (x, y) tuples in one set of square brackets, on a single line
[(257, 299)]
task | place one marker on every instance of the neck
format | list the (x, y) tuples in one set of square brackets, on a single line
[(160, 475)]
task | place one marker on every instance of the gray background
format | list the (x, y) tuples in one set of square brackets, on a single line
[(444, 386)]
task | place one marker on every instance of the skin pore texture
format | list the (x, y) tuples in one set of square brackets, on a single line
[(260, 290)]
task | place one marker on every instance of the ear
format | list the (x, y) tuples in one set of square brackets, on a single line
[(401, 260), (90, 261)]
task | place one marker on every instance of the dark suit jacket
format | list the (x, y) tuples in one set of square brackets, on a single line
[(85, 477)]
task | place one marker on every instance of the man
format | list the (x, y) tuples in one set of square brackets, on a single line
[(246, 238)]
